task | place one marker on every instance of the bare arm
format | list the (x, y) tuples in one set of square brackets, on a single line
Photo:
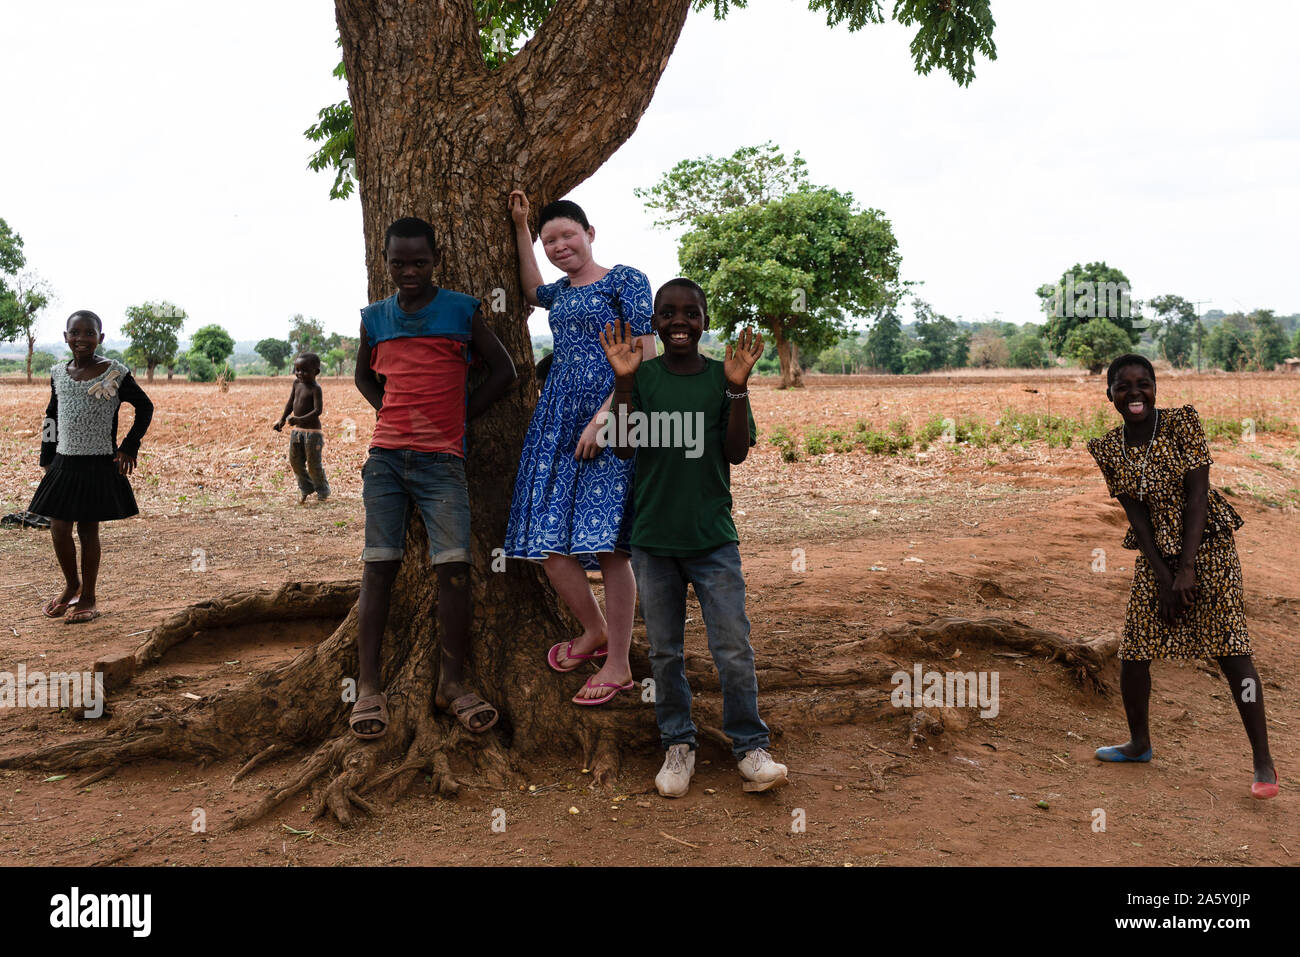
[(366, 380), (624, 358), (737, 365), (1196, 488), (501, 368), (530, 277), (318, 402), (1140, 519)]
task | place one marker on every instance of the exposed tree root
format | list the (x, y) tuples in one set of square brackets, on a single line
[(295, 600), (1085, 658), (300, 704)]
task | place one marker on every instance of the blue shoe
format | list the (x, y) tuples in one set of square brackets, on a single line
[(1113, 753)]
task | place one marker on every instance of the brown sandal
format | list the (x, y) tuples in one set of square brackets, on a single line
[(373, 707), (466, 706)]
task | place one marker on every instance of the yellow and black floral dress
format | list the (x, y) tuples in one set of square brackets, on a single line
[(1215, 625)]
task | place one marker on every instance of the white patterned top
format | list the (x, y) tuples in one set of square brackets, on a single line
[(85, 413)]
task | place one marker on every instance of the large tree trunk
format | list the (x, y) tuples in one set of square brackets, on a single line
[(788, 353), (441, 137), (31, 349)]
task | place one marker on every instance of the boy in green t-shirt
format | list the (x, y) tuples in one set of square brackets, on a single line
[(687, 419)]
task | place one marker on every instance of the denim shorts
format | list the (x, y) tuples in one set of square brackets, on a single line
[(394, 480)]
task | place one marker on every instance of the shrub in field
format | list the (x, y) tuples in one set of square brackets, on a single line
[(931, 431), (882, 443), (840, 442), (788, 444), (814, 441), (201, 368)]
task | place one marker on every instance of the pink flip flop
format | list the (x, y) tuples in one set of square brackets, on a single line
[(553, 658), (605, 698), (1263, 789)]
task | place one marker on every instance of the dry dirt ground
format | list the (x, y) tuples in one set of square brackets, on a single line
[(836, 547)]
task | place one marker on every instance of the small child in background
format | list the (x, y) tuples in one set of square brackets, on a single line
[(306, 440)]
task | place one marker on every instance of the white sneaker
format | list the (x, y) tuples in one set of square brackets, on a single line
[(674, 778), (761, 772)]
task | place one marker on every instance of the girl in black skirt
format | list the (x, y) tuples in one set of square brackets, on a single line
[(85, 469)]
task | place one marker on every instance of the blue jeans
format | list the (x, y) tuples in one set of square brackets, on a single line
[(395, 480), (720, 588)]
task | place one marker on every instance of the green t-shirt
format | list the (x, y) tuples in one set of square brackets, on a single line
[(682, 496)]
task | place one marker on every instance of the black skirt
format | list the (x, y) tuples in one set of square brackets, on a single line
[(84, 488)]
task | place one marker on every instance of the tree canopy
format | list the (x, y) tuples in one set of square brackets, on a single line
[(798, 266), (152, 328), (306, 335), (1095, 343), (214, 342), (1179, 330), (275, 352), (1084, 293)]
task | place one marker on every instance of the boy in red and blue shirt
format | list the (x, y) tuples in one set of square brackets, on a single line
[(413, 366)]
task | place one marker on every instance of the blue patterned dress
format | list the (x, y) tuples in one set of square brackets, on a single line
[(563, 505)]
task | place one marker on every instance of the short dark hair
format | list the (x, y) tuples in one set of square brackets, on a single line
[(562, 209), (1128, 359), (311, 357), (411, 227), (685, 284), (85, 314)]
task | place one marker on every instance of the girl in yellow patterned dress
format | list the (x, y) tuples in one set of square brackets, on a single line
[(1157, 463)]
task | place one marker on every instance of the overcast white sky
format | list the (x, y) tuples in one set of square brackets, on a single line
[(154, 150)]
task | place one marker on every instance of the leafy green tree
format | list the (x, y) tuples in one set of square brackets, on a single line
[(940, 337), (1229, 344), (275, 352), (795, 266), (306, 335), (1095, 343), (1026, 351), (758, 228), (201, 368), (214, 342), (152, 329), (1295, 344), (886, 342), (12, 257), (917, 360), (19, 311), (43, 362), (334, 359), (1084, 293), (1269, 345), (1177, 328)]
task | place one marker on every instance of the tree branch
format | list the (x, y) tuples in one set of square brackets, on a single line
[(588, 59)]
